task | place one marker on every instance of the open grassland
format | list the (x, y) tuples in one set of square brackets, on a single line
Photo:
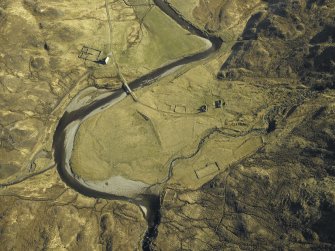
[(154, 40), (140, 140)]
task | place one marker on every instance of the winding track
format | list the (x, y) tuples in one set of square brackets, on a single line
[(63, 137)]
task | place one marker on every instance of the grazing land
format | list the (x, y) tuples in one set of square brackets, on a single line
[(238, 147)]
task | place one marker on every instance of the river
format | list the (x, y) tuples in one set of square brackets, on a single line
[(68, 125)]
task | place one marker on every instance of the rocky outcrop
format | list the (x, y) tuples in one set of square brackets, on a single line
[(280, 198), (291, 40)]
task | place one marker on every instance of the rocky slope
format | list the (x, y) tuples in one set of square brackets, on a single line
[(291, 40), (282, 197)]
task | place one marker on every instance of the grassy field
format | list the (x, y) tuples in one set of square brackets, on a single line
[(138, 140), (156, 40)]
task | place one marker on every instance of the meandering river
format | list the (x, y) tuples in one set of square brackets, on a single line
[(119, 188)]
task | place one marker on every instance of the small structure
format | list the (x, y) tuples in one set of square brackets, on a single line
[(219, 103), (203, 108), (107, 60)]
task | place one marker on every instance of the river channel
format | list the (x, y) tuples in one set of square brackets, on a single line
[(119, 188)]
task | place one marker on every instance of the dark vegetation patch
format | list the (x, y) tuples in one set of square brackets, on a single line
[(294, 41)]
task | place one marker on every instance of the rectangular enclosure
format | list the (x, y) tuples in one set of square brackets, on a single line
[(138, 2), (90, 54), (207, 170)]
